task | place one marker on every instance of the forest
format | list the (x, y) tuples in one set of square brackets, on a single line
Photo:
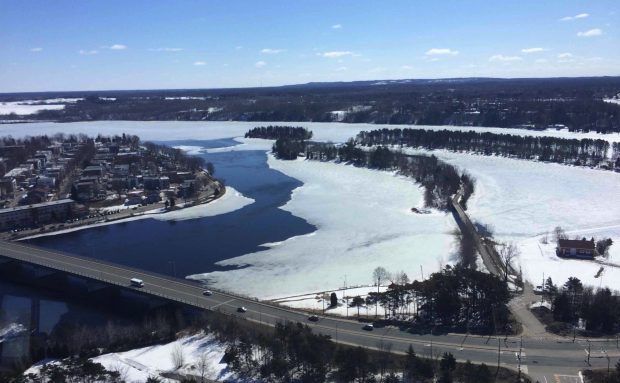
[(586, 152), (536, 103)]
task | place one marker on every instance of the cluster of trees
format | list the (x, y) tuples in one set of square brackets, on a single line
[(275, 132), (553, 149), (294, 353), (288, 149), (440, 180), (539, 103), (598, 307), (290, 140), (177, 156), (457, 298)]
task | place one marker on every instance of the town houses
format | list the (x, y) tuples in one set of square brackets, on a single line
[(53, 179)]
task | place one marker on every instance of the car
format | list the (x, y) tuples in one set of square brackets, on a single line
[(242, 309), (368, 327), (135, 282), (207, 293), (313, 318)]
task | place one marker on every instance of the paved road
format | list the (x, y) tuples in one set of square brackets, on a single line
[(541, 357)]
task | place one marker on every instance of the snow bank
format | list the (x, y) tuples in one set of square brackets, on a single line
[(11, 330), (363, 220), (140, 364), (321, 300), (229, 202)]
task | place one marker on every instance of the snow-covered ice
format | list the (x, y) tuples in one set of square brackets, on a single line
[(210, 130), (363, 221)]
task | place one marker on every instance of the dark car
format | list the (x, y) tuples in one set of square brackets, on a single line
[(313, 318), (368, 327), (242, 309), (207, 293)]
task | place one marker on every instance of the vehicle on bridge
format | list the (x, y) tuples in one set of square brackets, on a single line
[(137, 282), (242, 309)]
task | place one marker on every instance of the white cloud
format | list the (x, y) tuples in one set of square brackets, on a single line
[(502, 58), (336, 54), (199, 63), (88, 52), (532, 50), (441, 51), (406, 67), (165, 49), (565, 55), (37, 49), (238, 48), (118, 47), (579, 16), (260, 64), (540, 61), (590, 33), (337, 26), (341, 69), (271, 51)]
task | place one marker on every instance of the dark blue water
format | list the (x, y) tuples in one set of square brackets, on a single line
[(194, 246)]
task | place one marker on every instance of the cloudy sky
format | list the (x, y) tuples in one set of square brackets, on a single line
[(91, 45)]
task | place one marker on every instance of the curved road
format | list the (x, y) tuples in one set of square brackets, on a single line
[(541, 357)]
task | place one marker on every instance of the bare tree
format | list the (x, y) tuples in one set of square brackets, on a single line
[(204, 367), (378, 275), (507, 254), (177, 356), (559, 233)]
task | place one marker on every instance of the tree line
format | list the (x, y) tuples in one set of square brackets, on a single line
[(585, 151), (598, 308), (537, 103), (439, 179)]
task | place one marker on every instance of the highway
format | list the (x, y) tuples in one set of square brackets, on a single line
[(541, 357)]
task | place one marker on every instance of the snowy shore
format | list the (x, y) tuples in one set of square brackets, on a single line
[(232, 200)]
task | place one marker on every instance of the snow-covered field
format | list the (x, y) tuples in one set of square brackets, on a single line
[(523, 200), (363, 221), (26, 107), (321, 301), (140, 364)]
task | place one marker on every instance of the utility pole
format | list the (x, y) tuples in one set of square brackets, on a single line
[(422, 271), (589, 350), (519, 357)]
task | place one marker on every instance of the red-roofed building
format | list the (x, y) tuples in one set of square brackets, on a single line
[(576, 248)]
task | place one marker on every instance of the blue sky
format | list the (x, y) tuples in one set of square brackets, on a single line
[(92, 45)]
